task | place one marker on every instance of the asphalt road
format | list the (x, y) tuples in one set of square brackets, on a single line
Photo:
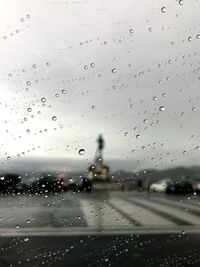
[(100, 229)]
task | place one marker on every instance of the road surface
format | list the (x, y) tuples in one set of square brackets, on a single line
[(100, 229), (108, 211)]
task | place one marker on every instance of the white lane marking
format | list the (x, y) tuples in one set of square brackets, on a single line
[(140, 214), (100, 215), (171, 210), (178, 204), (84, 231)]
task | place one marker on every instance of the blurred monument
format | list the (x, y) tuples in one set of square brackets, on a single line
[(98, 171)]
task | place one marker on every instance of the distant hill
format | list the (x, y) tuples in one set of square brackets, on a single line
[(32, 166)]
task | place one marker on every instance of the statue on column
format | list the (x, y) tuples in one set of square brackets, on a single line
[(100, 141)]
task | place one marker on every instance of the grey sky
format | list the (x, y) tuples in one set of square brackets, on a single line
[(74, 46)]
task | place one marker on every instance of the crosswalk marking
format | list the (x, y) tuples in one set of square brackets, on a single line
[(144, 216), (189, 208), (102, 215), (177, 212), (163, 213)]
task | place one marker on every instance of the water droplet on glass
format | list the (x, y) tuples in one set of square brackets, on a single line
[(93, 107), (29, 109), (154, 98), (164, 95), (150, 29), (48, 64), (85, 67), (22, 19), (43, 100), (131, 30), (28, 16), (138, 136), (163, 9), (28, 221), (198, 36), (126, 133), (194, 109), (28, 83), (34, 66), (17, 226), (54, 118), (81, 151), (26, 239), (180, 2), (92, 65), (161, 108), (64, 91), (114, 70), (189, 38)]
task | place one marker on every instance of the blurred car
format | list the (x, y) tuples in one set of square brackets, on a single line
[(8, 182), (196, 186), (180, 187), (78, 183), (159, 186), (42, 184)]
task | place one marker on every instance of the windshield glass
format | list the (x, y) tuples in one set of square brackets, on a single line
[(100, 138)]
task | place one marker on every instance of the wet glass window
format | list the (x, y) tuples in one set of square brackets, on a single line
[(100, 133)]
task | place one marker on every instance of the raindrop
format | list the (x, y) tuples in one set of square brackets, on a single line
[(154, 98), (81, 151), (194, 109), (22, 19), (28, 16), (161, 108), (163, 9), (29, 109), (131, 30), (150, 29), (93, 107), (114, 70), (26, 239), (198, 36), (28, 221), (189, 38), (180, 2), (126, 133), (48, 64), (164, 95), (17, 226), (138, 136), (28, 131), (34, 66), (54, 118), (64, 91), (28, 83), (85, 67), (43, 100), (92, 65)]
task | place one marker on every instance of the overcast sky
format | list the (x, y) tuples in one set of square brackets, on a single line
[(128, 69)]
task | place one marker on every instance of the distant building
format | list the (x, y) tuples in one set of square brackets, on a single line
[(98, 171)]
